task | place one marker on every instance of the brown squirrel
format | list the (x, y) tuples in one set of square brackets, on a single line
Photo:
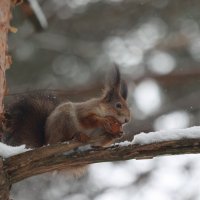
[(42, 118)]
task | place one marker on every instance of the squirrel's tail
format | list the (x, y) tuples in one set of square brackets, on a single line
[(25, 119)]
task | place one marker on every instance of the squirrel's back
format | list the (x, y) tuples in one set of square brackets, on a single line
[(25, 119)]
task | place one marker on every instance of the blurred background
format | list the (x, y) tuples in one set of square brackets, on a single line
[(69, 45)]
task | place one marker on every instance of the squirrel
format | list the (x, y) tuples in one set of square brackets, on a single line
[(42, 118)]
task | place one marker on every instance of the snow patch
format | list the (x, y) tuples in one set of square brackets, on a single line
[(161, 136), (8, 151), (84, 148)]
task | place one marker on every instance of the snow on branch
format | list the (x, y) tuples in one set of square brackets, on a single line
[(161, 136), (8, 151), (143, 146)]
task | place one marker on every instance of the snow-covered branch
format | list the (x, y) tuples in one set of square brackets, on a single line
[(143, 146)]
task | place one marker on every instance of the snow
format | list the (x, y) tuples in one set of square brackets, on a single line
[(8, 151), (161, 136), (85, 148)]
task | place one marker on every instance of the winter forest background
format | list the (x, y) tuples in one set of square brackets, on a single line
[(156, 43)]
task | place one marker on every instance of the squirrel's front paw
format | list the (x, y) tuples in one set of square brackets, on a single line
[(112, 126), (82, 137)]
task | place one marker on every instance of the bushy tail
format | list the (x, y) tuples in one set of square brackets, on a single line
[(25, 119)]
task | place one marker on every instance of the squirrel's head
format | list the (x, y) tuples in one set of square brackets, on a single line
[(114, 97)]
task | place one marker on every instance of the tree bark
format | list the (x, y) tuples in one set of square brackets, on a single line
[(4, 184), (61, 156), (5, 61)]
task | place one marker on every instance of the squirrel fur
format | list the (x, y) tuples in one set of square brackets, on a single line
[(42, 118)]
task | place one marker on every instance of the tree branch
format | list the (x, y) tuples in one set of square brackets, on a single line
[(61, 156)]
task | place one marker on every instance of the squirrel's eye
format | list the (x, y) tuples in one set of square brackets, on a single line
[(118, 105)]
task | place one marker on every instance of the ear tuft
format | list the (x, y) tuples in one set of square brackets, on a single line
[(124, 89), (112, 86), (113, 78)]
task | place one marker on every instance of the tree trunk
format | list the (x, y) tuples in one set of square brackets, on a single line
[(5, 61)]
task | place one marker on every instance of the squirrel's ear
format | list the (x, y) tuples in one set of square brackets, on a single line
[(113, 78), (124, 89), (112, 85), (108, 95)]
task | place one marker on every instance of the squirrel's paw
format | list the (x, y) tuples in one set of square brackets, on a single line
[(82, 137)]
